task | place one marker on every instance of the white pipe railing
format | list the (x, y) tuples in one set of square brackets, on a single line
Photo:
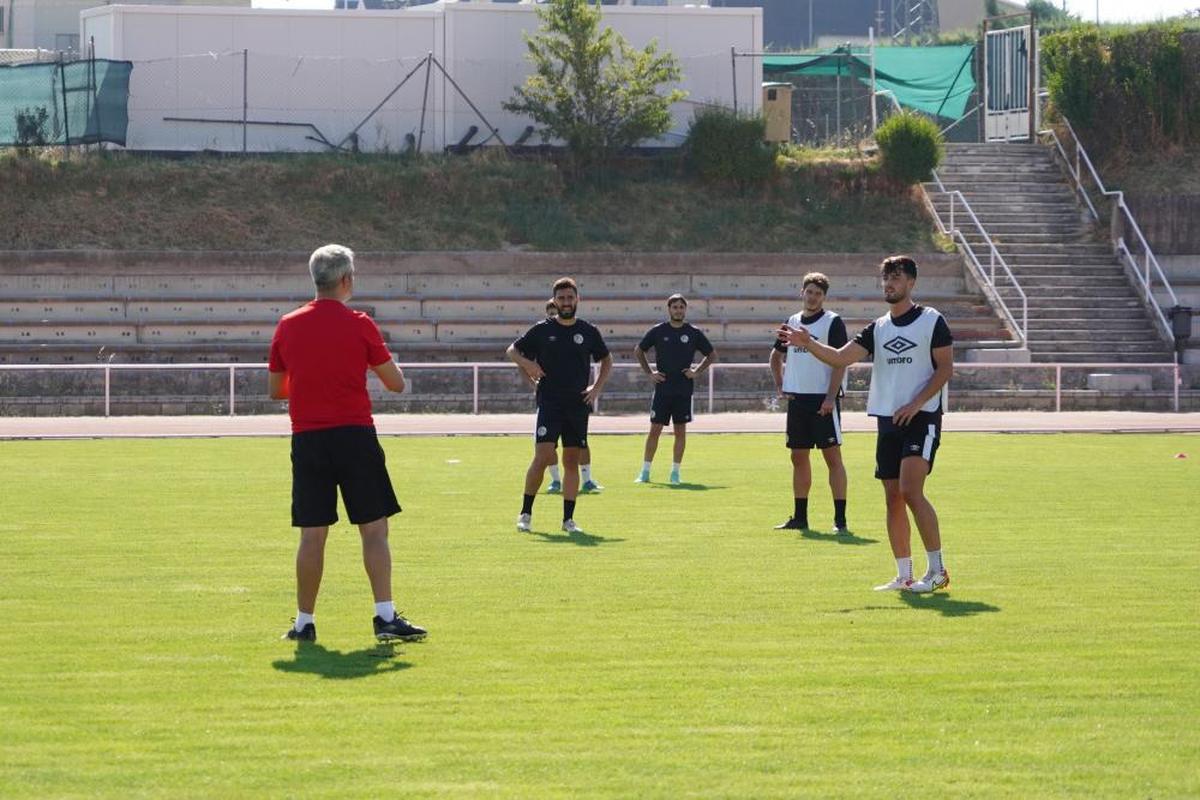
[(987, 278), (1149, 269), (477, 367)]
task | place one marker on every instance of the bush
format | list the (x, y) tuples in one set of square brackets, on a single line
[(1127, 88), (911, 146), (724, 146)]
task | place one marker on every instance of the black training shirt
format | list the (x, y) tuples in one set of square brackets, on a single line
[(674, 349), (565, 353)]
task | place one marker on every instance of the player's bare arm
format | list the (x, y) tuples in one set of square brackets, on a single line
[(776, 362), (592, 392), (391, 376), (943, 369), (532, 369), (277, 385), (835, 385), (842, 356), (692, 372), (655, 375)]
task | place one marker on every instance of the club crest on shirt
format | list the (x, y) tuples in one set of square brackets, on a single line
[(541, 430), (684, 338), (578, 338)]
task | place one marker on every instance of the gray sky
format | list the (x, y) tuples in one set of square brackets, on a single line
[(1129, 10), (1110, 10)]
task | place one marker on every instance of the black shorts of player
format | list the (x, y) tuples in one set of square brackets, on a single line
[(920, 438), (807, 429), (347, 458), (671, 404), (562, 417)]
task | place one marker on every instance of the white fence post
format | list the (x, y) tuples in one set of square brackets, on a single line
[(232, 383), (107, 388), (712, 377), (1058, 387), (475, 388)]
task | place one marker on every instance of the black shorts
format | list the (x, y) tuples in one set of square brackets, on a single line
[(349, 458), (562, 417), (920, 438), (671, 405), (807, 429)]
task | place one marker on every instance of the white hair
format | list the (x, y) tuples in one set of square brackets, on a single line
[(329, 264)]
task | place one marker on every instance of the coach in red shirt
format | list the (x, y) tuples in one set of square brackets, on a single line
[(319, 359)]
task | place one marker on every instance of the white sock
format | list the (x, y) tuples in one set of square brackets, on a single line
[(646, 467), (675, 467), (302, 619), (585, 473), (555, 475), (386, 610), (904, 567), (935, 560)]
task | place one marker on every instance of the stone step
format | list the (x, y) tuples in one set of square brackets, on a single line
[(1095, 325), (1060, 335), (1048, 250), (1105, 303), (1098, 357), (1013, 190), (1004, 229), (1041, 214)]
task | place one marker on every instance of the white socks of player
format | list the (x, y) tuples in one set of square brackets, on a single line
[(386, 610), (904, 568), (646, 467), (302, 619), (585, 473), (555, 475), (935, 561)]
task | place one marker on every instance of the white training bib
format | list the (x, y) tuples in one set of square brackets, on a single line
[(803, 373), (903, 364)]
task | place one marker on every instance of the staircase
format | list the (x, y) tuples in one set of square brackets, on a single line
[(1082, 308)]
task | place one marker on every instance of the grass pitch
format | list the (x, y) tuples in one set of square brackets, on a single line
[(681, 648)]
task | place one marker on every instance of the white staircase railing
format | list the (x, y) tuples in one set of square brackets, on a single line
[(986, 277), (1148, 270)]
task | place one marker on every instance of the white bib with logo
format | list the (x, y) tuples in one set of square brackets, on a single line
[(803, 373), (903, 364)]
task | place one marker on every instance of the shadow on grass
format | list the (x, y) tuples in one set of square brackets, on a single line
[(684, 487), (578, 538), (946, 605), (314, 659), (838, 538)]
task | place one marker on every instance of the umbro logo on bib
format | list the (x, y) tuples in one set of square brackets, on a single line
[(897, 346)]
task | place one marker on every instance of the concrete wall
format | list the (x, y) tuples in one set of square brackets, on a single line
[(331, 68), (1170, 222), (40, 23)]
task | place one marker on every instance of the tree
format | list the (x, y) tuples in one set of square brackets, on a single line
[(590, 87)]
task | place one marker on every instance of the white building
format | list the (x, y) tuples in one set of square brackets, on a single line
[(54, 24), (302, 79)]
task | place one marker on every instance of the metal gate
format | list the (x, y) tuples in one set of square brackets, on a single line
[(1010, 68)]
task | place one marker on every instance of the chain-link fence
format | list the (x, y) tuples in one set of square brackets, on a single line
[(244, 100), (64, 103)]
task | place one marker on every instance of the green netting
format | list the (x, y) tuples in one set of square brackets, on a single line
[(935, 80), (80, 102)]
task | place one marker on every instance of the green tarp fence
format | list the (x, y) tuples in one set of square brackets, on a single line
[(935, 80), (77, 102)]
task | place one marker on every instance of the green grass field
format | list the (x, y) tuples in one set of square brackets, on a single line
[(680, 649)]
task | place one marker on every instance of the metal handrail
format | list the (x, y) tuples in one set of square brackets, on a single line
[(477, 366), (987, 277), (1142, 271)]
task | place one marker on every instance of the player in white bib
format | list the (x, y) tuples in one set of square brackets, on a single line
[(814, 414), (912, 356)]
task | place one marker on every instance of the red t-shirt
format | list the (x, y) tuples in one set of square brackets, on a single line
[(326, 349)]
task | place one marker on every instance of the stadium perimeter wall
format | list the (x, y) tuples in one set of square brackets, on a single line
[(329, 69)]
